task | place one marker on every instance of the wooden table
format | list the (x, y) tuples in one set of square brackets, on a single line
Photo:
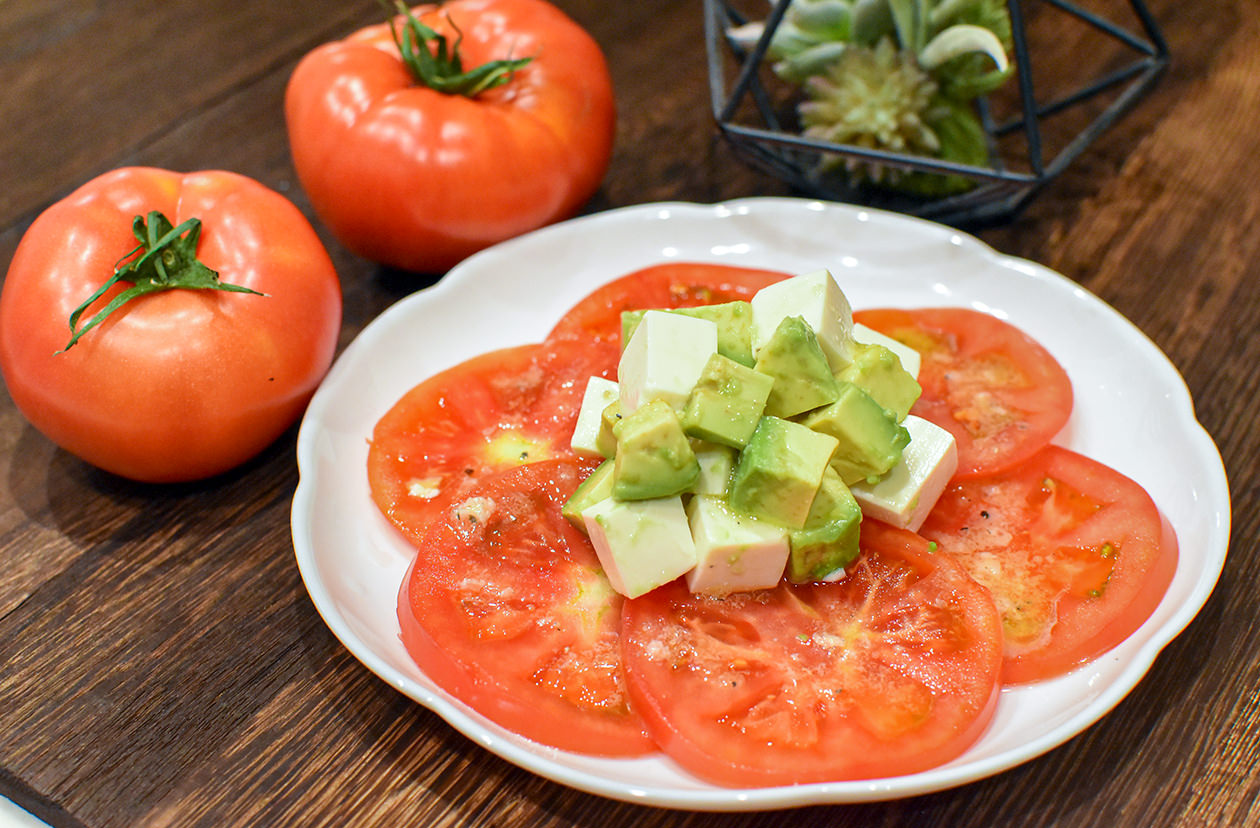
[(161, 661)]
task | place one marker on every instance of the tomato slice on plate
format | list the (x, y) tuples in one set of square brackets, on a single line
[(1075, 554), (596, 319), (997, 390), (507, 608), (890, 671), (490, 413)]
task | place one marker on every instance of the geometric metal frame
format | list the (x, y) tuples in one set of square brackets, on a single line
[(999, 192)]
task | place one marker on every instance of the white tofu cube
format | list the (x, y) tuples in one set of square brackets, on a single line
[(599, 393), (641, 544), (910, 359), (905, 495), (818, 299), (734, 552), (664, 359), (716, 464)]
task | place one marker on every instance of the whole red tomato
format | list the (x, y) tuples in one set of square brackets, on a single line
[(177, 384), (417, 178)]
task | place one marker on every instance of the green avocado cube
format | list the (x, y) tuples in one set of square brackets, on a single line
[(829, 541), (654, 456), (726, 403), (596, 487), (877, 371), (869, 438), (734, 327), (802, 374), (606, 440), (779, 472)]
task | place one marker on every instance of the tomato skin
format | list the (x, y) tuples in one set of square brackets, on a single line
[(419, 179), (890, 671), (999, 392), (1076, 555), (183, 384), (506, 608)]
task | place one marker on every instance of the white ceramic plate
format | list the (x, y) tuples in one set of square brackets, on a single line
[(1133, 412)]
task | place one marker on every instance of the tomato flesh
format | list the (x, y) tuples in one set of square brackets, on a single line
[(506, 608), (1000, 393), (1075, 554), (487, 414), (892, 670)]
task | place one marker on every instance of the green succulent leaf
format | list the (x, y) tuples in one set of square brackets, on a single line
[(872, 21), (806, 63), (911, 20), (962, 39), (962, 139), (822, 19), (989, 14), (969, 76)]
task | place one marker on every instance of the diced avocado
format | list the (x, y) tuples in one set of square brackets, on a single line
[(630, 320), (829, 541), (779, 471), (654, 456), (802, 375), (909, 358), (596, 487), (606, 440), (726, 403), (870, 439), (716, 464), (877, 371), (734, 327)]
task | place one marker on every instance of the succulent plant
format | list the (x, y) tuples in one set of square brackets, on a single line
[(876, 98), (895, 75)]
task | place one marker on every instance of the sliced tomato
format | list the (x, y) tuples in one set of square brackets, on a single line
[(1075, 554), (507, 608), (999, 392), (490, 413), (596, 319), (892, 670)]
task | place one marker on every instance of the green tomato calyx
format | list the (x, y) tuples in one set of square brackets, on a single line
[(435, 62), (165, 258)]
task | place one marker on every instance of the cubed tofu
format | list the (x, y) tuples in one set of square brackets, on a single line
[(664, 359), (599, 393), (905, 495), (641, 544), (734, 552), (716, 464), (819, 301)]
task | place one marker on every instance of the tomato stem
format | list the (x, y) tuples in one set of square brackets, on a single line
[(434, 62), (167, 259)]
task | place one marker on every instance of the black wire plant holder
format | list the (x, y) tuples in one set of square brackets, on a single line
[(1000, 191)]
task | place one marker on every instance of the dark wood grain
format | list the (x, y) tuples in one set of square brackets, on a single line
[(160, 662)]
